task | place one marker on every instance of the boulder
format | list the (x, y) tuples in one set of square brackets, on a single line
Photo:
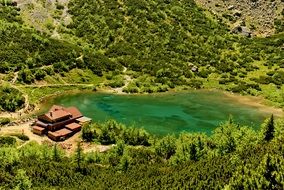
[(242, 30), (231, 7)]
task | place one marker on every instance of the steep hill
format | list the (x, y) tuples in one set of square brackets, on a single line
[(161, 44)]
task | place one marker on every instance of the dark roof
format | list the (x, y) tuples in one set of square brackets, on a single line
[(41, 124), (60, 133), (73, 126), (59, 113), (74, 112), (38, 128), (56, 115), (55, 107)]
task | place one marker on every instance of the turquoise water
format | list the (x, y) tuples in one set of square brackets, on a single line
[(161, 114)]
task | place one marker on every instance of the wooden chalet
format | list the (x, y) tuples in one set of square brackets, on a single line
[(59, 123)]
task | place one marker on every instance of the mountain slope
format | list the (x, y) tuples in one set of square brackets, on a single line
[(163, 45), (261, 17)]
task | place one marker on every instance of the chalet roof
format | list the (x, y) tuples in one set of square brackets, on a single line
[(55, 107), (41, 124), (74, 112), (73, 126), (60, 133), (38, 128), (56, 115)]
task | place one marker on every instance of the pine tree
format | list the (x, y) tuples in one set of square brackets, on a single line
[(124, 162), (55, 155), (78, 156), (193, 152), (269, 129)]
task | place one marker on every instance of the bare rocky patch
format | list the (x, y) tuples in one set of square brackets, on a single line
[(255, 16)]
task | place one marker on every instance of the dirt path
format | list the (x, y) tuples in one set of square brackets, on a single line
[(127, 80), (16, 75), (24, 128), (54, 85)]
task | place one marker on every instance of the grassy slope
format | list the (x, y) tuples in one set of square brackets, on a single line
[(158, 42)]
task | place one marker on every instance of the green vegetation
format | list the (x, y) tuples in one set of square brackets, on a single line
[(165, 40), (233, 157), (112, 132), (7, 141), (4, 121), (22, 137), (11, 99), (162, 44), (36, 94), (28, 51)]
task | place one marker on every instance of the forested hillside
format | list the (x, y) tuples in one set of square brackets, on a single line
[(233, 157), (148, 46), (162, 44), (166, 39)]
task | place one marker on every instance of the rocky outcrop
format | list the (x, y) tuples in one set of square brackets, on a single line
[(258, 16)]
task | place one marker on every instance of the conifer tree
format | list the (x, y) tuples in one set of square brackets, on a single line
[(269, 129), (78, 156), (124, 162), (193, 152), (55, 155)]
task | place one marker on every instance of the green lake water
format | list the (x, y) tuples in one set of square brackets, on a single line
[(161, 114)]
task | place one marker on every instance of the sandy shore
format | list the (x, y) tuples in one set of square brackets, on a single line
[(257, 102)]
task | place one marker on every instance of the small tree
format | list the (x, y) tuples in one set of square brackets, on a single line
[(88, 134), (124, 162), (55, 155), (193, 152), (78, 156), (268, 130), (166, 147)]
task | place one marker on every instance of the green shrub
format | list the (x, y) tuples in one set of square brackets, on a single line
[(23, 137), (11, 99), (10, 141), (117, 83), (4, 121)]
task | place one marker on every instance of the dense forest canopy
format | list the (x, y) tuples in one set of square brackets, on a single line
[(233, 157), (163, 38)]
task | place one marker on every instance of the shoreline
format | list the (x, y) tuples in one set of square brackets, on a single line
[(258, 102)]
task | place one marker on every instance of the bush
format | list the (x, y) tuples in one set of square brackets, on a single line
[(4, 121), (26, 76), (11, 99), (23, 137), (131, 89), (7, 141), (111, 132), (116, 83), (40, 74)]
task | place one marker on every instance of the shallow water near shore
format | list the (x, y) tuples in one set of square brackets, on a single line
[(166, 113)]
